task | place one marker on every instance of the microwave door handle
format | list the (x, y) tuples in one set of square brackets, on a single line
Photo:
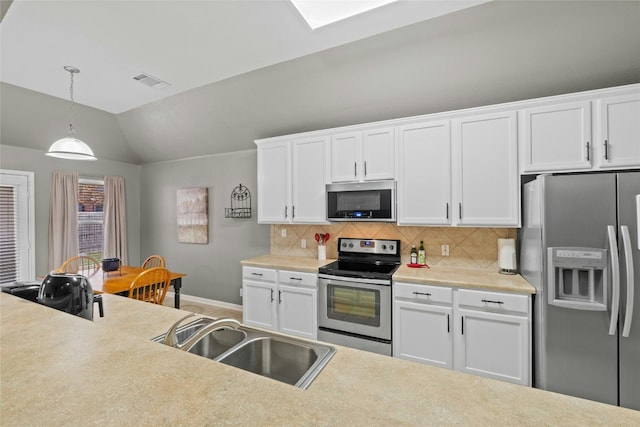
[(615, 279), (626, 243)]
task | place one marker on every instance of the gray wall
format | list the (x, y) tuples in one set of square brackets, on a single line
[(26, 159), (213, 270)]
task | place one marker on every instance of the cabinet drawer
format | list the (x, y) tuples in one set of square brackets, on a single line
[(297, 278), (256, 273), (423, 293), (493, 301)]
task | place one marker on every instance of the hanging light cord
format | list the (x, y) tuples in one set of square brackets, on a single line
[(71, 114)]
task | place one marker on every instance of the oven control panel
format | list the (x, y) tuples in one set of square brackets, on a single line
[(369, 246)]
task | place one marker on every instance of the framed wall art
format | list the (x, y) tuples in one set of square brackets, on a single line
[(193, 215)]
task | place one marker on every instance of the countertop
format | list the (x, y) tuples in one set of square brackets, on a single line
[(59, 369), (442, 276)]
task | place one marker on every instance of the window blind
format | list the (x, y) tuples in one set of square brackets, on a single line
[(9, 253)]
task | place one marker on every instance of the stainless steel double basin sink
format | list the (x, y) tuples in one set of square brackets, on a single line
[(282, 358)]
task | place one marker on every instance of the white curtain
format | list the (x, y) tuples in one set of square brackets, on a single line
[(63, 218), (115, 219)]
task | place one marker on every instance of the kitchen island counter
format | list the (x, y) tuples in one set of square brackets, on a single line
[(59, 369)]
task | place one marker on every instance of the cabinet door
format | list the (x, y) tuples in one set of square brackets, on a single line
[(485, 171), (345, 149), (308, 204), (557, 137), (378, 154), (619, 122), (424, 174), (422, 333), (258, 305), (492, 345), (298, 311), (273, 183)]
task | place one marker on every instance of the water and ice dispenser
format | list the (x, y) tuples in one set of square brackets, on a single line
[(578, 278)]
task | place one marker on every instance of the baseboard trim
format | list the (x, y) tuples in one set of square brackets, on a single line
[(206, 301)]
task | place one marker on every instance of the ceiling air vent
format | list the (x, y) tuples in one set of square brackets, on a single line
[(151, 81)]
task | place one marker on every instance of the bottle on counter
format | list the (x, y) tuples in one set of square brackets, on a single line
[(422, 255), (414, 255)]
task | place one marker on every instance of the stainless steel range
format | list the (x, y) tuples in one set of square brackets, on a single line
[(354, 294)]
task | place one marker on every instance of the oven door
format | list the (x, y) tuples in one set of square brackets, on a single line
[(355, 306)]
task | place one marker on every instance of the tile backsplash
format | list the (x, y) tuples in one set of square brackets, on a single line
[(471, 248)]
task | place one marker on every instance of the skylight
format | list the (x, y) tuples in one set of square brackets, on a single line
[(318, 13)]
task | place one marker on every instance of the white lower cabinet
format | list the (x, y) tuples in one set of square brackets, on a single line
[(478, 332), (422, 324), (280, 300)]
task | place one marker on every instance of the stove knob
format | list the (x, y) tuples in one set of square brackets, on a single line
[(344, 245), (390, 247), (350, 245), (384, 247)]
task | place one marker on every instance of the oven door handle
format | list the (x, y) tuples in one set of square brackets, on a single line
[(340, 279)]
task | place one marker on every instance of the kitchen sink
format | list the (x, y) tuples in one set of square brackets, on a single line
[(286, 359)]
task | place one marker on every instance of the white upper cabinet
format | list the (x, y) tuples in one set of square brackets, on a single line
[(424, 173), (485, 170), (557, 137), (308, 180), (274, 180), (363, 155), (291, 181), (619, 131)]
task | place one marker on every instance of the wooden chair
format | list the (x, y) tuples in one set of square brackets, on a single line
[(81, 264), (151, 285), (154, 261)]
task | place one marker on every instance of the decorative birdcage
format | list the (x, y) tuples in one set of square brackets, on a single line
[(240, 203)]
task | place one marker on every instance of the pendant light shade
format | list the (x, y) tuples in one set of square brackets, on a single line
[(71, 147)]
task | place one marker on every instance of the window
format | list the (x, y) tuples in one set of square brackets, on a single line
[(17, 259), (91, 217)]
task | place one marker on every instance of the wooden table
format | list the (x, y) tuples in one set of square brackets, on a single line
[(117, 282)]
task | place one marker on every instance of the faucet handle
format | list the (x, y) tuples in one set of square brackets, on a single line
[(170, 338)]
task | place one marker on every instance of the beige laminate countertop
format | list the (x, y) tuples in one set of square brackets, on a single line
[(58, 369), (442, 276)]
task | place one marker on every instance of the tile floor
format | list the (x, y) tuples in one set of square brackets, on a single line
[(205, 309)]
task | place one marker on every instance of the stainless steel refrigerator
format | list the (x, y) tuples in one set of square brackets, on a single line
[(580, 248)]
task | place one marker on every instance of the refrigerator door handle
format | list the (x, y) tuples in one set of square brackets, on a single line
[(628, 257), (615, 279)]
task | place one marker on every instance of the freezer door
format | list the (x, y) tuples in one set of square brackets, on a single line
[(574, 353), (628, 216)]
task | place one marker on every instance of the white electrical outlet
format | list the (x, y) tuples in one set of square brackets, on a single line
[(445, 250), (283, 232), (303, 243)]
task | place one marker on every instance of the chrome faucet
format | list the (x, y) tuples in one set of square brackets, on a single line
[(172, 340)]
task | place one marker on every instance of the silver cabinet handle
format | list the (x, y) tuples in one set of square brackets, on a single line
[(588, 152), (488, 301), (447, 210), (355, 169), (279, 297), (626, 243), (606, 150), (293, 212), (615, 279), (422, 293), (460, 210), (285, 212), (295, 278), (256, 274)]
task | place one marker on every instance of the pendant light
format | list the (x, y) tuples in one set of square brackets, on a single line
[(71, 147)]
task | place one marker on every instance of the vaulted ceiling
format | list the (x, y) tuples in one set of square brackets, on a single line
[(246, 70)]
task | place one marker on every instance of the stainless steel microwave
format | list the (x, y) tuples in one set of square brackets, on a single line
[(362, 201)]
